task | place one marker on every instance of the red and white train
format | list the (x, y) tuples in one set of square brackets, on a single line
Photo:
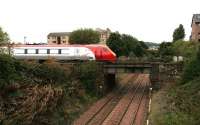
[(64, 52)]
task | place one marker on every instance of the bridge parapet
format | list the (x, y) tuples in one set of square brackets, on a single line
[(158, 71)]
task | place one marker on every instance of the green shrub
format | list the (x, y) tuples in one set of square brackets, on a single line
[(51, 73), (176, 118), (8, 70), (89, 74), (187, 99), (47, 93), (192, 69)]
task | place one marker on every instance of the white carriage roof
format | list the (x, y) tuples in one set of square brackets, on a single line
[(74, 45)]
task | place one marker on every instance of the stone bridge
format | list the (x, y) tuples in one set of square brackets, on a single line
[(158, 71)]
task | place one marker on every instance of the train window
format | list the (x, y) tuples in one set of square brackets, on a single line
[(59, 51), (105, 49), (36, 51), (25, 51), (42, 51), (31, 51), (48, 51), (19, 51), (64, 51), (54, 51)]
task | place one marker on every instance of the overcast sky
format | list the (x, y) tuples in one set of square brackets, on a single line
[(147, 20)]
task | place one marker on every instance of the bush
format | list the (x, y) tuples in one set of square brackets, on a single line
[(185, 101), (48, 93), (176, 118), (35, 107), (90, 74), (192, 69), (50, 74), (8, 70)]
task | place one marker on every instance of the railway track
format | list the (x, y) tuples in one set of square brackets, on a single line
[(120, 107)]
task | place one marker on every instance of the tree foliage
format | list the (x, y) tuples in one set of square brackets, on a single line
[(179, 33), (192, 69), (84, 36), (124, 45), (144, 45), (187, 49), (4, 38), (165, 49), (115, 43), (87, 74), (8, 70), (35, 94)]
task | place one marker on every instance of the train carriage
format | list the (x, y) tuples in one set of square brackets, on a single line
[(64, 52)]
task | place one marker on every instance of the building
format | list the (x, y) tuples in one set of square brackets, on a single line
[(104, 34), (58, 38), (63, 37), (195, 35)]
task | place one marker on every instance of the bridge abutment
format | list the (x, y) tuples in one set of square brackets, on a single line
[(109, 80)]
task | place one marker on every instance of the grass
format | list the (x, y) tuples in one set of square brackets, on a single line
[(176, 104)]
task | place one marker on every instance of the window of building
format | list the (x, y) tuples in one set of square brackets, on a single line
[(53, 37)]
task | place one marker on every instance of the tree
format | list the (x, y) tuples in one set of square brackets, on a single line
[(130, 44), (125, 44), (144, 45), (165, 51), (84, 36), (3, 37), (115, 43), (192, 68), (179, 33), (187, 49)]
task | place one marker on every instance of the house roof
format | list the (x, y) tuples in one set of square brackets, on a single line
[(102, 30), (196, 18), (59, 34)]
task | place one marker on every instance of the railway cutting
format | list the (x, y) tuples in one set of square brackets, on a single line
[(126, 105)]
